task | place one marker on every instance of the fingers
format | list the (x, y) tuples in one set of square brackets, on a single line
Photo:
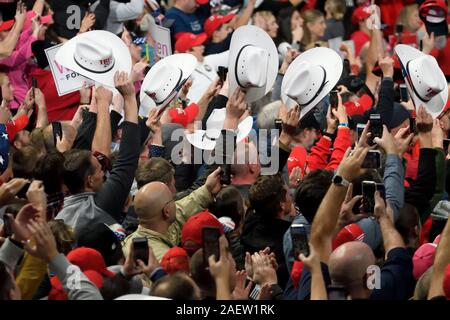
[(349, 194), (223, 247)]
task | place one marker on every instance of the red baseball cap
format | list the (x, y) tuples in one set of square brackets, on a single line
[(351, 232), (423, 259), (89, 259), (13, 127), (184, 116), (192, 229), (215, 21), (359, 14), (57, 291), (364, 103), (297, 158), (176, 259), (6, 25), (189, 40), (202, 1)]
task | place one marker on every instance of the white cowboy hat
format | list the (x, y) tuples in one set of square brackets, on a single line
[(206, 139), (310, 77), (164, 80), (96, 55), (424, 79), (252, 63)]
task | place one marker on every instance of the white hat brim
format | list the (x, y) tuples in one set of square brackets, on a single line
[(325, 57), (122, 58), (252, 35), (184, 61), (199, 140), (437, 104)]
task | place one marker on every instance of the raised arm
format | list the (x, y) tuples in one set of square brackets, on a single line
[(112, 195), (7, 46), (42, 117), (102, 135)]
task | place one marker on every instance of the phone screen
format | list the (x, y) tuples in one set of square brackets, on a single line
[(359, 130), (57, 130), (211, 243), (140, 247), (368, 192), (225, 174), (334, 101), (372, 160), (376, 127), (404, 93), (299, 240), (412, 125)]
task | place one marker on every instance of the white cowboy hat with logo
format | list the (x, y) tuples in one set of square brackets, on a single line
[(207, 139), (424, 79), (96, 55), (310, 77), (252, 63), (164, 80)]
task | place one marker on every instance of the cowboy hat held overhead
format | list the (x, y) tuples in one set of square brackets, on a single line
[(97, 55), (253, 62), (424, 79), (207, 139), (164, 80), (310, 77)]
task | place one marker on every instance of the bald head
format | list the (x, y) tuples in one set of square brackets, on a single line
[(151, 199), (348, 263)]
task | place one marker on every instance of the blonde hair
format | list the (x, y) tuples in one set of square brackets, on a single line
[(405, 13), (309, 16), (260, 19), (336, 8)]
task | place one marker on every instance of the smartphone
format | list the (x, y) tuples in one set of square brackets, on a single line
[(7, 228), (347, 67), (34, 86), (299, 240), (334, 101), (376, 127), (211, 245), (368, 192), (222, 72), (336, 292), (372, 160), (412, 125), (225, 174), (140, 248), (404, 96), (359, 129), (57, 131), (279, 125), (22, 194), (446, 144)]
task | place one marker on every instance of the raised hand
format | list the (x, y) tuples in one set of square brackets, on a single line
[(350, 166), (346, 216), (44, 241), (88, 22), (9, 190), (386, 142), (123, 84), (103, 97), (37, 197), (241, 292)]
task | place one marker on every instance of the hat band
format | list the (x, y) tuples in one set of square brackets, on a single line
[(408, 77), (205, 135), (111, 65), (318, 90)]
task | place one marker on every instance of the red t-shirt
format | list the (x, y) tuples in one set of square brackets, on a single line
[(360, 38)]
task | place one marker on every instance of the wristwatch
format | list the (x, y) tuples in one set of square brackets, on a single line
[(340, 181)]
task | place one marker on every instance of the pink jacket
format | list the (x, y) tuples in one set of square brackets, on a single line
[(18, 66)]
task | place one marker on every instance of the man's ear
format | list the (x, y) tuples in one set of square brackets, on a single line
[(17, 144), (89, 182), (165, 213)]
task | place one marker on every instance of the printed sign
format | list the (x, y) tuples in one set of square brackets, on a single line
[(66, 80), (161, 37)]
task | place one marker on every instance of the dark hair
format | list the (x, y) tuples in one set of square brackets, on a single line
[(114, 287), (154, 169), (266, 195), (175, 286), (311, 191), (284, 23), (406, 221), (24, 162), (77, 166), (229, 203), (200, 274), (6, 282), (50, 169)]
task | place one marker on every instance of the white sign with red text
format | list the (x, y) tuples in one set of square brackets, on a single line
[(161, 37), (66, 80)]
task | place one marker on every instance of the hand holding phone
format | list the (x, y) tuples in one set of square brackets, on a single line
[(368, 192), (376, 128), (334, 100)]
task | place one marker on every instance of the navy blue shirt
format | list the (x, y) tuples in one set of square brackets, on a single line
[(186, 22), (395, 279), (213, 48)]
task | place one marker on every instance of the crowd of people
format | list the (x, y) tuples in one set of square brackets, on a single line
[(322, 129)]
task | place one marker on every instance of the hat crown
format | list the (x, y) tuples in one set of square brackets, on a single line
[(251, 67), (306, 83), (169, 78), (423, 77), (93, 56)]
